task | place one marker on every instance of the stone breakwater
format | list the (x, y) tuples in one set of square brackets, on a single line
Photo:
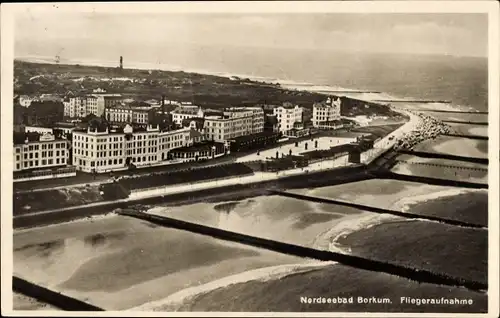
[(427, 128)]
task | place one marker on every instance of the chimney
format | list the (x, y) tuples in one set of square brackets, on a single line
[(163, 104)]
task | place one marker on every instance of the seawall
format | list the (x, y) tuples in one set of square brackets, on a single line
[(313, 179), (468, 136), (428, 180), (423, 154)]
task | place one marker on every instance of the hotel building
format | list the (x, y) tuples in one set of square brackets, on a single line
[(128, 114), (39, 151), (287, 115), (234, 122), (81, 106), (103, 150), (184, 112), (327, 115)]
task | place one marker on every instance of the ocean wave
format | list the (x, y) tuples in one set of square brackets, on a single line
[(328, 240), (405, 204), (90, 218), (174, 301)]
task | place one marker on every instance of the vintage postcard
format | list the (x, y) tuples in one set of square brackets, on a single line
[(250, 158)]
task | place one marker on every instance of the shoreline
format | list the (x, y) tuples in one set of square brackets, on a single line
[(179, 298), (283, 83), (343, 228)]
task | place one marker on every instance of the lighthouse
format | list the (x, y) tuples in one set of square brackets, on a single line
[(121, 62)]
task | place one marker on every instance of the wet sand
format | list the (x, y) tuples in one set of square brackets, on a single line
[(444, 169), (22, 302), (455, 146), (272, 217), (118, 263), (470, 129)]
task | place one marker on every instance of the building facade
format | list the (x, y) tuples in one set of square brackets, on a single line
[(327, 115), (40, 151), (235, 122), (92, 107), (104, 151), (186, 111), (127, 114), (287, 115)]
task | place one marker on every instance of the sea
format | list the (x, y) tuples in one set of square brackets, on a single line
[(124, 264)]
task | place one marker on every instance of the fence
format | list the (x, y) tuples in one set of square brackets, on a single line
[(442, 165), (48, 174), (191, 182)]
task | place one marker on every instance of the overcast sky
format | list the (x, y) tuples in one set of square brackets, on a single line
[(453, 34)]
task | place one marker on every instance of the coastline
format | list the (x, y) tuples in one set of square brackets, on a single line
[(343, 228), (177, 299)]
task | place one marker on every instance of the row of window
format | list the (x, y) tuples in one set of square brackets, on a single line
[(41, 163), (42, 146), (44, 154)]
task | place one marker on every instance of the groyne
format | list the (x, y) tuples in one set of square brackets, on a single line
[(452, 111), (414, 274), (423, 101), (467, 136), (481, 123), (48, 296), (314, 179), (376, 210), (432, 155), (428, 180)]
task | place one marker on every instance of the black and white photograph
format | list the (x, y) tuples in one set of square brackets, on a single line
[(237, 158)]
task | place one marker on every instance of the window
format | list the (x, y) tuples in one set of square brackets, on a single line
[(50, 161), (25, 164), (57, 161)]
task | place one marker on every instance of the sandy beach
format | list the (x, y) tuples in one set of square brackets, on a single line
[(455, 146), (119, 263)]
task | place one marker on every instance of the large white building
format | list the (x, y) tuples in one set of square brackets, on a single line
[(185, 112), (81, 106), (327, 115), (234, 122), (39, 151), (128, 114), (287, 115), (100, 151)]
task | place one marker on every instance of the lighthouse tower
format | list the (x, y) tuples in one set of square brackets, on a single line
[(121, 62)]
